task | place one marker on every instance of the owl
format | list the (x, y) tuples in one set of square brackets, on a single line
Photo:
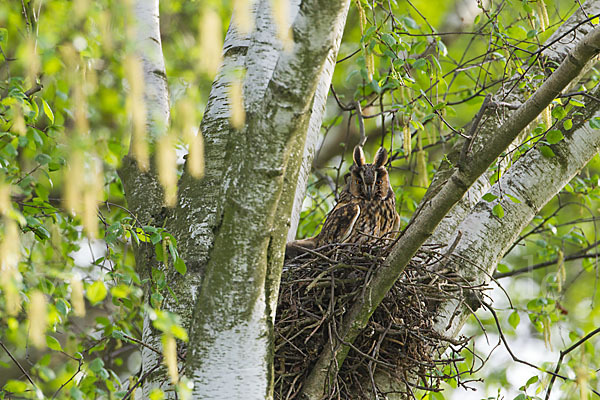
[(365, 211)]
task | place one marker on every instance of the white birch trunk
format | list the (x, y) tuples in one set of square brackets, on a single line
[(148, 47), (230, 353), (314, 128), (144, 193)]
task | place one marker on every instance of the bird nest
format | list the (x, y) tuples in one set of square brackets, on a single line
[(399, 342)]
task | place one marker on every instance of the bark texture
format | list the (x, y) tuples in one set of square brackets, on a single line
[(230, 350), (231, 226), (142, 189)]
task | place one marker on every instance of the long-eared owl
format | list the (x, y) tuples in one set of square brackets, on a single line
[(365, 211)]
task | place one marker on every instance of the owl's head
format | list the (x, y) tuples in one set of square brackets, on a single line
[(369, 181)]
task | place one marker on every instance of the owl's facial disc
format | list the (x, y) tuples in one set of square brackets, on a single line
[(368, 181)]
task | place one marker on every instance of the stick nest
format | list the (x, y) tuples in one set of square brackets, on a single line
[(320, 287)]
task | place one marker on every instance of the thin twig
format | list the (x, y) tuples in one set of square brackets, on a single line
[(18, 364), (563, 353), (361, 124), (130, 391), (80, 361)]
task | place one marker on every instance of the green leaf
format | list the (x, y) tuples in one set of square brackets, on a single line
[(513, 198), (442, 48), (436, 396), (489, 197), (595, 123), (43, 158), (53, 343), (120, 291), (428, 117), (416, 124), (156, 299), (118, 335), (180, 266), (568, 124), (388, 39), (62, 307), (420, 63), (48, 112), (547, 152), (173, 250), (156, 394), (96, 365), (439, 106), (155, 238), (502, 268), (532, 380), (160, 254), (15, 386), (96, 292), (576, 103), (409, 22), (375, 86), (141, 234), (498, 211), (554, 136), (76, 393), (559, 113), (514, 319)]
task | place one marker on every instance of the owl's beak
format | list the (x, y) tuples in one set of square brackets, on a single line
[(370, 190)]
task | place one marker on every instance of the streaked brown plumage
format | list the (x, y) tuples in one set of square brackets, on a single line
[(366, 209)]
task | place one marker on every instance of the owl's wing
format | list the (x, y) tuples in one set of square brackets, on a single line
[(339, 223)]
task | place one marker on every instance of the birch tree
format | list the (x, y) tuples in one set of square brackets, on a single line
[(251, 174), (100, 114)]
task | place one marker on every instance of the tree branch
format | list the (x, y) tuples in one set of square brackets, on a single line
[(519, 271), (563, 353), (430, 213), (18, 365)]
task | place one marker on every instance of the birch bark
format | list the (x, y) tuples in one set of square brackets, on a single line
[(142, 189), (231, 227), (231, 348)]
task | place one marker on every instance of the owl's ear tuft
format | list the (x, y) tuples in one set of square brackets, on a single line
[(359, 156), (380, 158)]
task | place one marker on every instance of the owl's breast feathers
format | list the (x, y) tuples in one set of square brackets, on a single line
[(358, 220), (340, 223)]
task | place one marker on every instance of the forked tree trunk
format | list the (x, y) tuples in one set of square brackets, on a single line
[(231, 226)]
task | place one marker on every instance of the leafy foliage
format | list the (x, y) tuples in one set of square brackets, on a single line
[(72, 302)]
